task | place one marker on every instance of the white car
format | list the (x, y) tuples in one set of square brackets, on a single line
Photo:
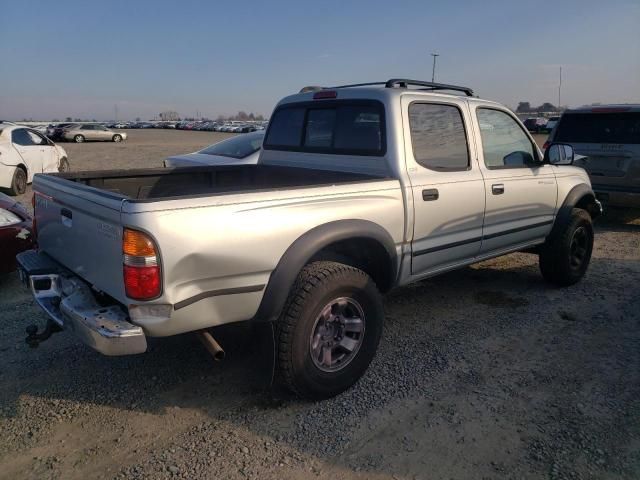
[(25, 152), (240, 150)]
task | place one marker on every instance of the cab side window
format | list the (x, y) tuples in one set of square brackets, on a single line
[(438, 136), (504, 143)]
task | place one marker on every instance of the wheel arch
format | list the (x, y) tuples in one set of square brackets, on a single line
[(580, 196), (359, 243)]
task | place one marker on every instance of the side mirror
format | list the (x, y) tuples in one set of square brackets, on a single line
[(559, 154)]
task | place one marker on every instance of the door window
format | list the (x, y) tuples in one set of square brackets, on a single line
[(438, 136), (37, 139), (504, 142), (22, 137)]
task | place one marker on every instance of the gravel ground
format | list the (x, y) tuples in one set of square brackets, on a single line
[(486, 372)]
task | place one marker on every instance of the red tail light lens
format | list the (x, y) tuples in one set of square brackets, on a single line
[(142, 283), (142, 274), (545, 146)]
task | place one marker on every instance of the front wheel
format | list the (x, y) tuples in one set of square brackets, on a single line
[(18, 182), (565, 256), (63, 166), (117, 138), (329, 330), (78, 139)]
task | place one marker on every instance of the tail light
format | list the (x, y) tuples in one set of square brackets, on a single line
[(142, 275), (546, 145)]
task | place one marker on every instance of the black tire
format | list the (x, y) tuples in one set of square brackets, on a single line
[(317, 285), (18, 182), (565, 256), (117, 138), (64, 166), (78, 139)]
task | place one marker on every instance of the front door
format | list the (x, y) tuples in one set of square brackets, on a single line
[(521, 191), (446, 182), (27, 144)]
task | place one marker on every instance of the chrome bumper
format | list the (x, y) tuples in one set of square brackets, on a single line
[(71, 304)]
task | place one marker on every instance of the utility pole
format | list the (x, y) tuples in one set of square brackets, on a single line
[(559, 87), (433, 72)]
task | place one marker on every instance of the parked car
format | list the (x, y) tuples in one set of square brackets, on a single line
[(15, 232), (238, 150), (91, 131), (121, 125), (55, 132), (535, 124), (551, 123), (608, 136), (25, 152), (356, 191)]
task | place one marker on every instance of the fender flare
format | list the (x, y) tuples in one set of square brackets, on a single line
[(301, 251), (575, 196)]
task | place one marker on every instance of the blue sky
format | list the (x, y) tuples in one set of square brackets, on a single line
[(80, 58)]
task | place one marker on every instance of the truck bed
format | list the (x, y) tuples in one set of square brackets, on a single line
[(164, 183)]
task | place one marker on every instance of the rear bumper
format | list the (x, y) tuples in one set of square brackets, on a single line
[(71, 304)]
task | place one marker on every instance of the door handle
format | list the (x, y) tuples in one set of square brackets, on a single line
[(497, 188), (430, 194)]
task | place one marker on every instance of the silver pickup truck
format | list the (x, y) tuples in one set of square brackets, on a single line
[(359, 189)]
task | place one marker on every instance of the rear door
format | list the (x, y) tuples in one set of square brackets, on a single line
[(521, 191), (610, 140), (446, 182)]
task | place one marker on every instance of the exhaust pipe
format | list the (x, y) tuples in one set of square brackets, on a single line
[(211, 345)]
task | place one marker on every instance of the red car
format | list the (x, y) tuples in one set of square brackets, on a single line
[(15, 232)]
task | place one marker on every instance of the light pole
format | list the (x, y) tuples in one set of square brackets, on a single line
[(559, 87), (433, 72)]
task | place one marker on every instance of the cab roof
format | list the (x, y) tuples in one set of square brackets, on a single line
[(383, 91)]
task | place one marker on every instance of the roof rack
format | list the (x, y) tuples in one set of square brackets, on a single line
[(398, 83)]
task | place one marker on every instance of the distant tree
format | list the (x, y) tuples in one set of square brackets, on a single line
[(523, 107), (220, 118), (55, 120), (259, 118), (547, 107), (242, 116), (77, 119), (252, 116), (137, 119), (67, 119)]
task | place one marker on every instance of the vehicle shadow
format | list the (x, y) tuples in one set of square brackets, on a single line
[(177, 372)]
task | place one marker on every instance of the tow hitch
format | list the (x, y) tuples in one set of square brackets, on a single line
[(34, 338)]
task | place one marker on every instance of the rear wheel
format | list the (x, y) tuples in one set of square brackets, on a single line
[(329, 330), (78, 139), (117, 138), (18, 182), (565, 256)]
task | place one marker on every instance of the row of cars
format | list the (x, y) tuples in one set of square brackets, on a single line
[(540, 124), (200, 125), (209, 126)]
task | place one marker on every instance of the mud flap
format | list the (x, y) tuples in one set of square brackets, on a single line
[(264, 354)]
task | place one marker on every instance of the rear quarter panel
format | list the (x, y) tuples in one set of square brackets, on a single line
[(237, 240)]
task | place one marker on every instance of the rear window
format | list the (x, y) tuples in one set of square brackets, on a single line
[(621, 127), (334, 127), (237, 147)]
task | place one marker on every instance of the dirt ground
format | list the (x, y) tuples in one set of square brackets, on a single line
[(482, 373)]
